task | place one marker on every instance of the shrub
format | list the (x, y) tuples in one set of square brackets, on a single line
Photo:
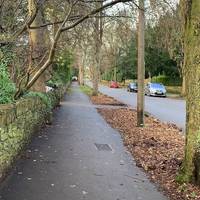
[(7, 87), (43, 96), (61, 69), (166, 80)]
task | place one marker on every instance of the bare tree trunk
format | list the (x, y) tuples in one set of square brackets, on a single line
[(115, 74), (98, 44), (141, 66), (81, 74), (51, 53), (37, 39), (79, 63), (183, 87), (190, 171), (183, 66), (149, 76)]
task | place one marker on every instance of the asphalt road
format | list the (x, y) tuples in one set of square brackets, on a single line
[(165, 109)]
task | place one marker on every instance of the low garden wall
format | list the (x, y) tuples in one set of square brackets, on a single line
[(19, 121)]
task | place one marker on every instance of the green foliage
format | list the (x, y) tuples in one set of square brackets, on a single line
[(163, 52), (7, 87), (107, 75), (74, 72), (43, 96), (86, 89), (61, 69), (157, 58), (126, 64), (193, 195), (174, 89), (182, 179), (157, 61), (167, 80)]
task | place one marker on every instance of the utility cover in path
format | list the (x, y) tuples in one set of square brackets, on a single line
[(103, 147)]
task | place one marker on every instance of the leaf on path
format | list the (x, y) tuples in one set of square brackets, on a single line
[(158, 148)]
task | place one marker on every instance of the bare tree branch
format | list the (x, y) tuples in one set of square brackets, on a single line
[(94, 12), (61, 29)]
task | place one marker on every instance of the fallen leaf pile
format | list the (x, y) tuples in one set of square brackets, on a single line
[(158, 148), (105, 100)]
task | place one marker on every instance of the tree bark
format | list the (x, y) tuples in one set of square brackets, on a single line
[(98, 44), (190, 171), (183, 12), (62, 28), (149, 76), (141, 65), (81, 69), (81, 74), (183, 87), (37, 40), (115, 74)]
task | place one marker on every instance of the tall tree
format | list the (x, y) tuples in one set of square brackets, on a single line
[(141, 65), (191, 165), (38, 42), (69, 22), (98, 32)]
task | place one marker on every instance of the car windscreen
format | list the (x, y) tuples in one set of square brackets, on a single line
[(133, 84), (157, 86)]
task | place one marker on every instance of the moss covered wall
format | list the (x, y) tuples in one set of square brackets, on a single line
[(19, 121)]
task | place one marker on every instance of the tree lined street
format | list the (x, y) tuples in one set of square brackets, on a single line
[(165, 109)]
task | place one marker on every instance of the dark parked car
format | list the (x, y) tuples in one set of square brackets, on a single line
[(132, 87), (155, 89), (114, 84)]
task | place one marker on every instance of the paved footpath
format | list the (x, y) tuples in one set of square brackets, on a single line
[(78, 157)]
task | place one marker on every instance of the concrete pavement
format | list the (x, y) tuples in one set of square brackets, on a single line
[(78, 157)]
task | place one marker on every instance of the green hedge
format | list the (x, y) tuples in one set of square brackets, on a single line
[(7, 87), (166, 80)]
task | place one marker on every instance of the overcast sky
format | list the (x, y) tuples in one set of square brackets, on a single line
[(173, 3)]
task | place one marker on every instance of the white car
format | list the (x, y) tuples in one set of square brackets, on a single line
[(155, 89), (74, 78)]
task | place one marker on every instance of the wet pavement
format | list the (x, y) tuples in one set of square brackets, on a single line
[(79, 156)]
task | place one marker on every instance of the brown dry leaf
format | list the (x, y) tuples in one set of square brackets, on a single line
[(158, 147), (105, 100)]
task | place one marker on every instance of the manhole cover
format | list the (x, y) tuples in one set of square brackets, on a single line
[(49, 161), (103, 147)]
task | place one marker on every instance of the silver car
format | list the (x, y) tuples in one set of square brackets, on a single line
[(155, 89)]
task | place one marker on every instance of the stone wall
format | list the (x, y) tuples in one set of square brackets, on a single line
[(19, 121)]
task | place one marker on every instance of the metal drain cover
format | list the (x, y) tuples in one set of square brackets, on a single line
[(103, 147)]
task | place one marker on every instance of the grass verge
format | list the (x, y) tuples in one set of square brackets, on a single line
[(86, 89), (100, 99), (174, 89)]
